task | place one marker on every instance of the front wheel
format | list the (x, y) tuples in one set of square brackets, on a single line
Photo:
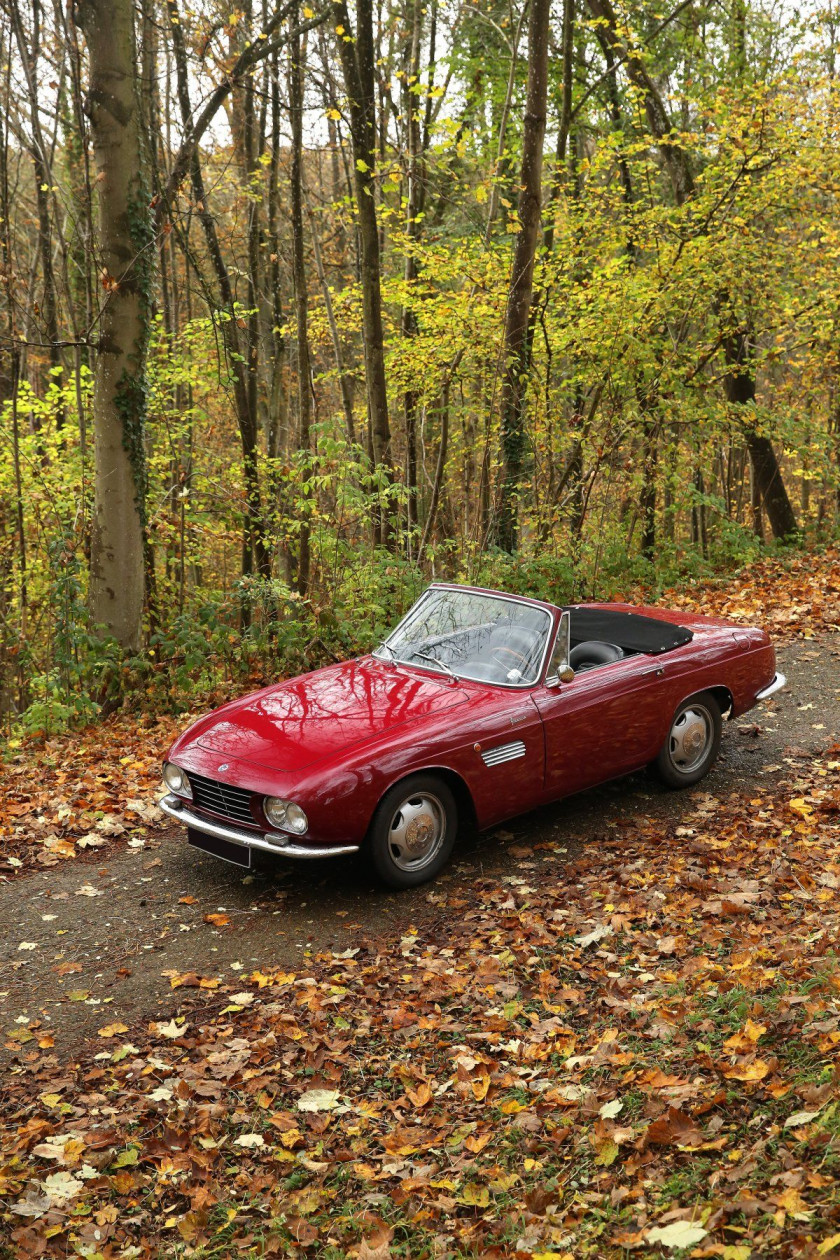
[(413, 831), (693, 742)]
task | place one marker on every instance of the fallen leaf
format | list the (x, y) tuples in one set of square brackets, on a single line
[(113, 1030), (474, 1195), (755, 1071), (172, 1029), (60, 1186), (800, 1118), (250, 1140), (318, 1100), (679, 1234), (597, 934)]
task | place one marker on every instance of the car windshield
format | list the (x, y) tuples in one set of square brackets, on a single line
[(486, 638)]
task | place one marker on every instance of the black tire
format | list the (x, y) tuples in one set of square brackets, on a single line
[(692, 743), (424, 800)]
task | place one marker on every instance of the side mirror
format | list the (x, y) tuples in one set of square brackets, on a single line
[(559, 669)]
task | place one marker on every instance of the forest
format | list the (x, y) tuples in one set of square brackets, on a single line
[(303, 306)]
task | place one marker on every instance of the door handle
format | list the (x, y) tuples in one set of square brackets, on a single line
[(657, 672)]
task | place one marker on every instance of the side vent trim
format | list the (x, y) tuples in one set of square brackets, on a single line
[(504, 752)]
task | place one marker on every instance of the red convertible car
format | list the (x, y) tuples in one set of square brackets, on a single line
[(479, 706)]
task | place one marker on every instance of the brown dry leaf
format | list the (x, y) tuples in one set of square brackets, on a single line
[(480, 1084), (374, 1250), (477, 1142), (674, 1128), (113, 1030), (745, 1040), (754, 1070), (421, 1096)]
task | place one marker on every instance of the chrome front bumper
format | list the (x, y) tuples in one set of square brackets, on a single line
[(270, 842), (778, 682)]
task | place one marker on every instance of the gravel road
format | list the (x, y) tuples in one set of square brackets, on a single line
[(89, 942)]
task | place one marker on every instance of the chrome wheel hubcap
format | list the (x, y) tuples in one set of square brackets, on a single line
[(417, 832), (690, 738)]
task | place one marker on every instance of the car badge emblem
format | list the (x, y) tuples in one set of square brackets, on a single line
[(224, 766)]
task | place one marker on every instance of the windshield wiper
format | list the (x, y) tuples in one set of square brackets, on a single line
[(441, 664)]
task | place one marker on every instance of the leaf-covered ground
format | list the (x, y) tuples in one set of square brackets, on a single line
[(794, 595), (633, 1052), (77, 793)]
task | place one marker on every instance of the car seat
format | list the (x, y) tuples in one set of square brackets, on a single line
[(593, 653)]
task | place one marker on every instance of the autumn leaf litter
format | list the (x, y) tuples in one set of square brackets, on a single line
[(634, 1051)]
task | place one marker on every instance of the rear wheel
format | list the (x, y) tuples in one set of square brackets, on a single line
[(413, 831), (693, 742)]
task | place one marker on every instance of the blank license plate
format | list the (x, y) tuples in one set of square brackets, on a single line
[(239, 854)]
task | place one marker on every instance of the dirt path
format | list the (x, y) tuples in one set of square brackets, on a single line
[(88, 943)]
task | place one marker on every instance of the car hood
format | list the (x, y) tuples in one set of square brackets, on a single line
[(297, 723)]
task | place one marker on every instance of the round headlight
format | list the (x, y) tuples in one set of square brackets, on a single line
[(176, 780), (275, 810), (296, 820), (285, 814)]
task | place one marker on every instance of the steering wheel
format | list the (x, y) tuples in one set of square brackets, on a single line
[(501, 652)]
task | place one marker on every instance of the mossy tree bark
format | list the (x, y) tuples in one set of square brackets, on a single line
[(117, 579)]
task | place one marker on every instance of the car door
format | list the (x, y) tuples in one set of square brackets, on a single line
[(603, 723), (502, 761)]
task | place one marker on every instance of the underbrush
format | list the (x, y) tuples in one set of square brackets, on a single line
[(262, 630)]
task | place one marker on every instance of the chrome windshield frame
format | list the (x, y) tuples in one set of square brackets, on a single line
[(549, 610)]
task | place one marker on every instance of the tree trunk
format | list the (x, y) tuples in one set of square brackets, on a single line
[(301, 296), (274, 347), (414, 200), (125, 256), (522, 279), (674, 157), (357, 63), (739, 385), (254, 545), (500, 166), (650, 462), (440, 469), (43, 183), (345, 381), (699, 535)]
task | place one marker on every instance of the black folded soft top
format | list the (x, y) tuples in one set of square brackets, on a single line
[(631, 631)]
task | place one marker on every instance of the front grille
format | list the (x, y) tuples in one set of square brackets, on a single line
[(220, 798)]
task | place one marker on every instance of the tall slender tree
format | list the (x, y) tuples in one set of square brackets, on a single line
[(516, 339), (304, 384), (254, 545), (125, 254), (358, 59)]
